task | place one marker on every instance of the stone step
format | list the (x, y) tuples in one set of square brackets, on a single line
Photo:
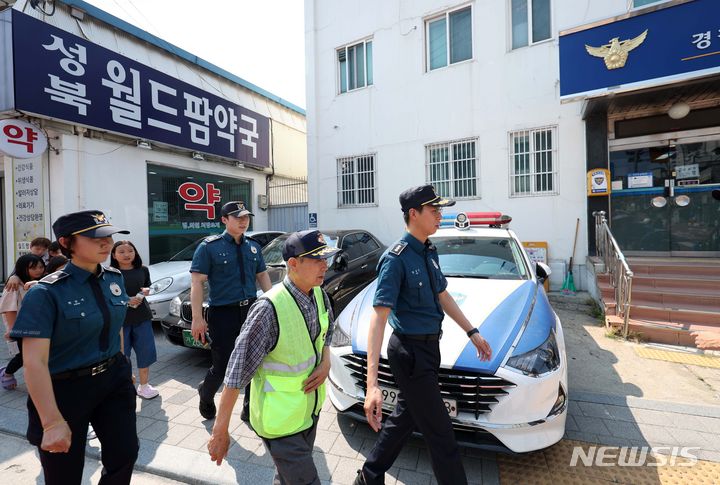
[(661, 332), (681, 316)]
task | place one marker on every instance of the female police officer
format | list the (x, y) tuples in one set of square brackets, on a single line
[(71, 326)]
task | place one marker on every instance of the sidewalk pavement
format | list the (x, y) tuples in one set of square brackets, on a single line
[(173, 435)]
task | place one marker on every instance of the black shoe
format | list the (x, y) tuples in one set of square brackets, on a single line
[(207, 409), (359, 480)]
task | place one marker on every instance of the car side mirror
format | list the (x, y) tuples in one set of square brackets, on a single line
[(542, 271), (341, 262)]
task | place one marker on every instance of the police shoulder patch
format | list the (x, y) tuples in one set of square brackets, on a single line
[(251, 239), (53, 278), (111, 269), (212, 238), (398, 247)]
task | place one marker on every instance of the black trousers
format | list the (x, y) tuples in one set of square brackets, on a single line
[(224, 324), (105, 400), (415, 365)]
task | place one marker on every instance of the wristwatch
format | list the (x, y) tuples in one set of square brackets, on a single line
[(472, 332)]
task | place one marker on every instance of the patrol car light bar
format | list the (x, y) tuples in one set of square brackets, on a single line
[(463, 220)]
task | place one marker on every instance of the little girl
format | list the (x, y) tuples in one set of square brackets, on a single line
[(28, 267), (137, 329)]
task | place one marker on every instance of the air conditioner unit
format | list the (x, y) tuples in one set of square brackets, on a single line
[(262, 201)]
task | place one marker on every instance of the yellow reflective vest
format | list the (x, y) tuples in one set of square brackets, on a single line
[(278, 405)]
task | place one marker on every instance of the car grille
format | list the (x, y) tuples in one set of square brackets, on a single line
[(186, 311), (475, 393)]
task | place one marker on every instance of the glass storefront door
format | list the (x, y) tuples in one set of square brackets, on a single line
[(661, 202)]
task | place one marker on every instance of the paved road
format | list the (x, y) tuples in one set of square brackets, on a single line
[(173, 435)]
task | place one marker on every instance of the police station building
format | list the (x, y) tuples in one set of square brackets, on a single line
[(98, 114), (510, 105)]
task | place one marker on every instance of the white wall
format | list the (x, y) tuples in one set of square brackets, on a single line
[(498, 91)]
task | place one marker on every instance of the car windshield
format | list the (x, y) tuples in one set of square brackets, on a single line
[(272, 253), (187, 253), (480, 257)]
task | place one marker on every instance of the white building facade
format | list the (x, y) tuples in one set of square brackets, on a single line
[(466, 96), (148, 133)]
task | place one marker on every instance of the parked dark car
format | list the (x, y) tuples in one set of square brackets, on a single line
[(349, 272)]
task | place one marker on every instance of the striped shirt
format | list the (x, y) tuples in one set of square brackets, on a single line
[(261, 330)]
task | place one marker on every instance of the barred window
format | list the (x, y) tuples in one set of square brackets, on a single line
[(356, 181), (533, 166), (452, 168)]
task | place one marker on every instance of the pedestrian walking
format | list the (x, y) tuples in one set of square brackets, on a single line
[(412, 297), (283, 352), (231, 264), (76, 374), (137, 330), (28, 267)]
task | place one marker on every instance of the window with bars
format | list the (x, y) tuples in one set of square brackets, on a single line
[(533, 162), (355, 66), (530, 22), (451, 168), (449, 38), (356, 181)]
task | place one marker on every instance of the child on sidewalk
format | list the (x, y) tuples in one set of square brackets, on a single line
[(137, 329)]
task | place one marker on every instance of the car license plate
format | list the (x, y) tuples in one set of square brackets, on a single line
[(190, 341), (390, 398)]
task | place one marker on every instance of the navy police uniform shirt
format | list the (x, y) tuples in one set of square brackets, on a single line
[(63, 308), (230, 267), (409, 282)]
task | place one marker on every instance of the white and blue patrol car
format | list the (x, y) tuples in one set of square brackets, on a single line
[(518, 400)]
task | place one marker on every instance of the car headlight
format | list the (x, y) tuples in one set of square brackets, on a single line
[(540, 360), (160, 285), (175, 306), (340, 338)]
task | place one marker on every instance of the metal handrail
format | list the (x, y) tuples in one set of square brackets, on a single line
[(615, 263)]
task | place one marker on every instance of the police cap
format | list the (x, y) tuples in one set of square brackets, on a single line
[(307, 244), (235, 208), (421, 195), (91, 223)]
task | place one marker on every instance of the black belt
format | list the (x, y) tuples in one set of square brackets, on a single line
[(422, 337), (247, 302), (95, 369)]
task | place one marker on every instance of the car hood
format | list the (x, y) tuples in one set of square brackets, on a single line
[(499, 308), (168, 268)]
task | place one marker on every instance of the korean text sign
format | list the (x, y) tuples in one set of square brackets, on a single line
[(62, 76)]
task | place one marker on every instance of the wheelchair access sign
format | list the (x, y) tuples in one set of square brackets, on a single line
[(312, 219)]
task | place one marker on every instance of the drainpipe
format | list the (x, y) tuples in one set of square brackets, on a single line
[(80, 131)]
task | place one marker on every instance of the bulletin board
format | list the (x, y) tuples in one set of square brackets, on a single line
[(537, 251)]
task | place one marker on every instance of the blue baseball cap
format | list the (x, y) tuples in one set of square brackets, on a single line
[(307, 244), (422, 195)]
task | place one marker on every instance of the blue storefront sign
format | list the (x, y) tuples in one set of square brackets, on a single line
[(673, 43), (59, 75)]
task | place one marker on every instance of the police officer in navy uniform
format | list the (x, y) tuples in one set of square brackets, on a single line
[(412, 296), (232, 264), (71, 329)]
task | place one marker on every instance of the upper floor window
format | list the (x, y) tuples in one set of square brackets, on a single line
[(355, 66), (449, 38), (452, 168), (356, 181), (530, 22), (533, 162)]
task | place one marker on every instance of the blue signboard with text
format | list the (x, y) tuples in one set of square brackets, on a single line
[(676, 42), (62, 76)]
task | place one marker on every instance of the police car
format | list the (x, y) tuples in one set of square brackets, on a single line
[(518, 400)]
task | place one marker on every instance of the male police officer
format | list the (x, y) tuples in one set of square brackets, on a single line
[(231, 263), (283, 350), (411, 294)]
